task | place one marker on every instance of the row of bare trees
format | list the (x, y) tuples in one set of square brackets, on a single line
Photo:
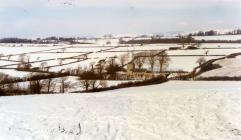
[(153, 59)]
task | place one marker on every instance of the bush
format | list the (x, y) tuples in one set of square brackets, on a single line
[(89, 75), (174, 48), (35, 87), (209, 66), (192, 48), (2, 92)]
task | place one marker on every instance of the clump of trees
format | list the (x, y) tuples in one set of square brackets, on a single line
[(111, 68), (90, 80)]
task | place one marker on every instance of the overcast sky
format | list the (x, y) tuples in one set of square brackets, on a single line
[(41, 18)]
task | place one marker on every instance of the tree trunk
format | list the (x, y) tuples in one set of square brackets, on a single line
[(49, 85)]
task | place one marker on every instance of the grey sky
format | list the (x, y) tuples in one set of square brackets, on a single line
[(40, 18)]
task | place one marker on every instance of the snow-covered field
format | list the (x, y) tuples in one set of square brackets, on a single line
[(176, 110), (186, 63), (221, 45), (219, 37), (70, 56), (230, 67)]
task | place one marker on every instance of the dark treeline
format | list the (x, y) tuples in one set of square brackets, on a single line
[(176, 40), (187, 39), (213, 33), (218, 78), (8, 79), (15, 40), (47, 40)]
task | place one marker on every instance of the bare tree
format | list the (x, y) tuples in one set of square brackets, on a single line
[(206, 52), (65, 84), (163, 60), (201, 60), (79, 70), (123, 59), (182, 40), (22, 58), (49, 85), (199, 45), (43, 65), (139, 61), (61, 61), (112, 68), (103, 83), (94, 84), (85, 84), (24, 62), (9, 56), (152, 60), (63, 50), (100, 66), (35, 87), (92, 66)]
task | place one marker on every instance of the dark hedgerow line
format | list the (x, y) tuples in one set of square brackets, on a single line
[(153, 81)]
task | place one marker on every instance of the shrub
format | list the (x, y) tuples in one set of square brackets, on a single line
[(35, 87), (2, 92), (192, 48), (174, 48), (209, 66)]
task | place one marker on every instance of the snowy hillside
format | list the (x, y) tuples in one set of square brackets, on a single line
[(192, 110), (230, 67), (219, 37)]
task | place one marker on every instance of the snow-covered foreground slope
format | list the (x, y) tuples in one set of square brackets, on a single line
[(176, 110)]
